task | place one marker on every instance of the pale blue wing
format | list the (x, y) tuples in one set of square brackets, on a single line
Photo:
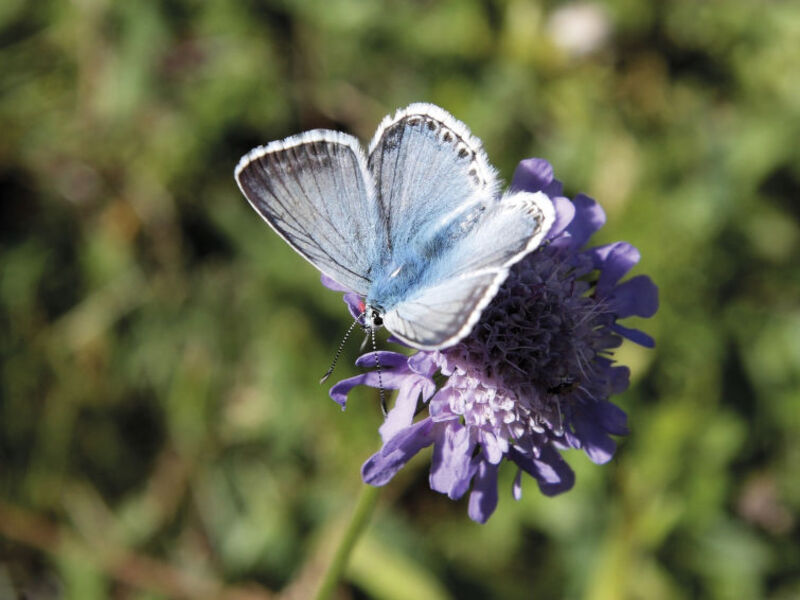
[(427, 166), (472, 265), (435, 317), (315, 190), (498, 237)]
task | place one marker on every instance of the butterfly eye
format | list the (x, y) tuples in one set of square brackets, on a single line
[(376, 318)]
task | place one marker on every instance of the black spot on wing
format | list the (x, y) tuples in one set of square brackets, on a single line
[(392, 137)]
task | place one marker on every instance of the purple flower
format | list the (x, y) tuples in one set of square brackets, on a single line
[(532, 378)]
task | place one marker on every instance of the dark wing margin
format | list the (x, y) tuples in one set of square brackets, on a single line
[(315, 191)]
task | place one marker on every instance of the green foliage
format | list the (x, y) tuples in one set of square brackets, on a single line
[(162, 433)]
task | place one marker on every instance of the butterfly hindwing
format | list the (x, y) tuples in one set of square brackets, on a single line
[(315, 190), (500, 236), (435, 317), (465, 277)]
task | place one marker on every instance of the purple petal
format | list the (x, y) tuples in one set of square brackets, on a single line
[(388, 360), (634, 335), (342, 388), (390, 380), (423, 363), (451, 465), (589, 217), (439, 407), (532, 175), (384, 464), (636, 297), (483, 498), (556, 188), (492, 448), (611, 417), (332, 284), (613, 260), (550, 470), (354, 304), (593, 438), (405, 406), (565, 212), (619, 378)]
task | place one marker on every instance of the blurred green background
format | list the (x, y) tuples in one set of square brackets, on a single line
[(162, 431)]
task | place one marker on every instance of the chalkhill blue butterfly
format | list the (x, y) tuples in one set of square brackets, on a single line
[(417, 226)]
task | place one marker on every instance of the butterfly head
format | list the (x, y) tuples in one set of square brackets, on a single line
[(373, 315), (373, 318)]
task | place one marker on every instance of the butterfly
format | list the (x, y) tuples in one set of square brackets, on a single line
[(416, 227)]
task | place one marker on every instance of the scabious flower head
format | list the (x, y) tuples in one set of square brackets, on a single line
[(532, 378)]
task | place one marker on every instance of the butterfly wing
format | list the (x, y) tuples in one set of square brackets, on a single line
[(315, 191), (435, 317), (472, 267), (427, 167)]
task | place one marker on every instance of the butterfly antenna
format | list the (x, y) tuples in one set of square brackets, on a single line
[(341, 347), (378, 368)]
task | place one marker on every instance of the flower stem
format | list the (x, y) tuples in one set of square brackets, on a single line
[(361, 515)]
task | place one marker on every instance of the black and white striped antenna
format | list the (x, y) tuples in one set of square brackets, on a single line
[(378, 369), (341, 347), (370, 335)]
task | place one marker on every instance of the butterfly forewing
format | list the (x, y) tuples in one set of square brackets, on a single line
[(427, 167), (315, 191)]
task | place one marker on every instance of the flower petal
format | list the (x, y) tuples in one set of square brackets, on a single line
[(332, 284), (619, 378), (589, 217), (389, 379), (384, 464), (611, 417), (355, 305), (342, 388), (556, 188), (565, 212), (388, 360), (636, 297), (423, 363), (451, 465), (532, 175), (446, 405), (551, 472), (613, 261), (405, 407), (593, 437), (634, 335), (492, 448), (483, 498)]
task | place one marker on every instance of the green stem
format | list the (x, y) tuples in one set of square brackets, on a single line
[(361, 515)]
